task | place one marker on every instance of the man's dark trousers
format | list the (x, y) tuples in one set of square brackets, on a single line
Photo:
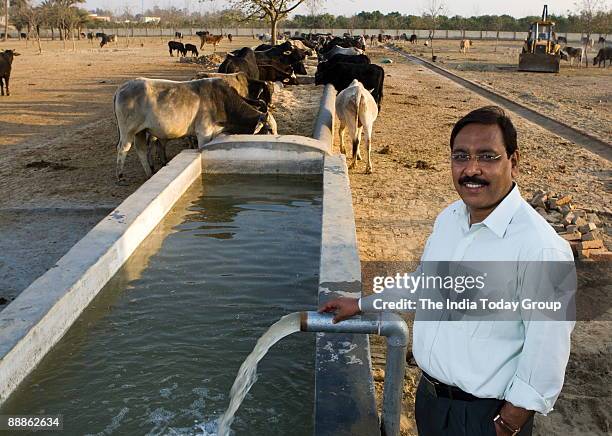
[(439, 416)]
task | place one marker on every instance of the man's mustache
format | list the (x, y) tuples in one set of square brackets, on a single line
[(472, 179)]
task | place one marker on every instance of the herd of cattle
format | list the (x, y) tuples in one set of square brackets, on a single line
[(238, 98)]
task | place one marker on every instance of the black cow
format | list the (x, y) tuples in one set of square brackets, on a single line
[(242, 60), (561, 40), (341, 75), (284, 53), (178, 35), (191, 48), (230, 37), (178, 46), (100, 34), (276, 71), (90, 36), (23, 35), (601, 40), (603, 55), (346, 59), (6, 62), (106, 39), (413, 39)]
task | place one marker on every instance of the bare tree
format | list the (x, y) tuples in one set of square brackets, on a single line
[(431, 15), (271, 10), (6, 19)]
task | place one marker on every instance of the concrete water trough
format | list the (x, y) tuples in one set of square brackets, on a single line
[(34, 322)]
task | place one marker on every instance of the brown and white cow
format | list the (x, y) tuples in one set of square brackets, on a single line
[(167, 110)]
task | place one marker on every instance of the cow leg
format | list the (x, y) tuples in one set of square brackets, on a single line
[(341, 131), (1, 86), (368, 146), (359, 130), (161, 151), (123, 146), (140, 143)]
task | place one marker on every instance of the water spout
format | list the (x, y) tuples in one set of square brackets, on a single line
[(393, 327)]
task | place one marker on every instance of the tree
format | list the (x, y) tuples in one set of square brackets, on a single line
[(588, 11), (431, 16), (271, 10)]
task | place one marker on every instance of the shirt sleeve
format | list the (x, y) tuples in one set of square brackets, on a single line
[(541, 364)]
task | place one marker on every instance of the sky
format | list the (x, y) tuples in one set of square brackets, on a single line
[(516, 8)]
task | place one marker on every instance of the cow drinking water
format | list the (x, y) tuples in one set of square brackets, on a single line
[(169, 110)]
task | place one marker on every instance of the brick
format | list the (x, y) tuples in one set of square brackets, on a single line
[(565, 209), (602, 257), (587, 228), (572, 228), (579, 221), (554, 217), (588, 245), (564, 200), (569, 218), (589, 253), (558, 227), (591, 236), (580, 213), (575, 236), (593, 218)]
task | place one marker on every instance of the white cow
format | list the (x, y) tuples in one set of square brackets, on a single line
[(357, 109), (167, 110)]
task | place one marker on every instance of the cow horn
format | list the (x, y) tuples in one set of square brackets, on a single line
[(287, 52)]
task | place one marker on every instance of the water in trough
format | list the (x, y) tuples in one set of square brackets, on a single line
[(157, 350)]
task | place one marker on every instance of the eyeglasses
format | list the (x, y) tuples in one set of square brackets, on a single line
[(483, 158)]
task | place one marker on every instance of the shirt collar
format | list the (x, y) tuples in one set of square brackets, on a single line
[(500, 217)]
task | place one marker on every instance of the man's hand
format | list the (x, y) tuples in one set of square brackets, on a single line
[(343, 307), (514, 416)]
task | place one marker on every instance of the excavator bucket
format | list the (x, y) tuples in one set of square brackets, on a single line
[(539, 62)]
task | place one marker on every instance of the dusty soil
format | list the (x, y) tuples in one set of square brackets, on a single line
[(579, 97), (58, 138), (396, 205)]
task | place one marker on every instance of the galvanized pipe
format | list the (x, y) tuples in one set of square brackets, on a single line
[(393, 327)]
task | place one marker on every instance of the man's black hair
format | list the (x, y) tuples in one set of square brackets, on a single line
[(489, 115)]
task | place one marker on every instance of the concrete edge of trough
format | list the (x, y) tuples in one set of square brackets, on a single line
[(37, 319), (264, 154), (324, 123), (345, 402)]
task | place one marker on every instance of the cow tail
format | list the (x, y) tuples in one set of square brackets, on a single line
[(358, 99)]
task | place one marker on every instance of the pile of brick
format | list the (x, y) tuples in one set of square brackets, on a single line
[(574, 225), (209, 61)]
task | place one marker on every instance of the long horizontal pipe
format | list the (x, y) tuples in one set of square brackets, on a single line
[(393, 327)]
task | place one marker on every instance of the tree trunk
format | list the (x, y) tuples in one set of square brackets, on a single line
[(6, 21), (433, 33), (38, 39), (72, 37), (274, 24), (52, 34)]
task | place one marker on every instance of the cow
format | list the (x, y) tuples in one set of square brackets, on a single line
[(6, 62), (603, 55), (107, 39), (341, 75), (284, 53), (340, 50), (192, 49), (178, 46), (464, 45), (561, 40), (276, 71), (25, 35), (357, 110), (253, 90), (601, 40), (90, 36), (296, 43), (347, 59), (230, 37), (100, 34), (242, 60), (586, 42), (413, 39), (178, 35), (575, 53), (167, 110), (210, 39)]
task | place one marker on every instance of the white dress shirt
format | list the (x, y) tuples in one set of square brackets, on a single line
[(522, 361)]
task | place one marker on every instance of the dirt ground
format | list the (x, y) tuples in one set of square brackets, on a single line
[(578, 96), (59, 137), (396, 205)]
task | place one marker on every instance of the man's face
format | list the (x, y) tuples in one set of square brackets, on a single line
[(482, 185)]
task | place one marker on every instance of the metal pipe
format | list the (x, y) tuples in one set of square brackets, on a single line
[(393, 327)]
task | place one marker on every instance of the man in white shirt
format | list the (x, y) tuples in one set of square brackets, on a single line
[(486, 377)]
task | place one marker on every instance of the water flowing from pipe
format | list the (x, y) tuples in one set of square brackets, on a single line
[(247, 374)]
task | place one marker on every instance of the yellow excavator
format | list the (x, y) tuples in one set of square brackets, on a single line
[(541, 53)]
